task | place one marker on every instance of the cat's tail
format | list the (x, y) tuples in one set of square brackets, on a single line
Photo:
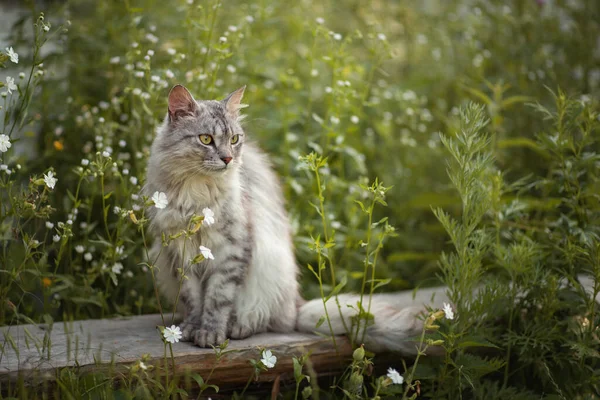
[(397, 320)]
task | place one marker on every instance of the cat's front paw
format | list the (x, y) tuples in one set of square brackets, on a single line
[(240, 331), (188, 329), (207, 338)]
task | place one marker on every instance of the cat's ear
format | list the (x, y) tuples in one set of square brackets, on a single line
[(181, 103), (233, 102)]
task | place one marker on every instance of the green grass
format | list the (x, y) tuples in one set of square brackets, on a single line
[(349, 99)]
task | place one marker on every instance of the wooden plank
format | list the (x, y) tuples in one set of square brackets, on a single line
[(34, 352)]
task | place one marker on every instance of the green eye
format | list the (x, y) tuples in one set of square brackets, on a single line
[(206, 139), (235, 139)]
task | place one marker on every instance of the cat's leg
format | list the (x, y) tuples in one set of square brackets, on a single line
[(221, 287), (191, 297)]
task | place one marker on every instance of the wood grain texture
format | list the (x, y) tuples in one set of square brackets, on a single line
[(94, 345)]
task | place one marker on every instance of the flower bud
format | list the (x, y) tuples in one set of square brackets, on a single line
[(359, 353)]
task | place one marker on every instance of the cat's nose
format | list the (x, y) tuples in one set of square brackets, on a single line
[(226, 160)]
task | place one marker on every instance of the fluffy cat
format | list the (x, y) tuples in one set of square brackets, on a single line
[(201, 158)]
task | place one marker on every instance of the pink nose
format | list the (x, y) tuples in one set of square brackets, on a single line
[(226, 160)]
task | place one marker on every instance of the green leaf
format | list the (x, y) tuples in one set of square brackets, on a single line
[(338, 288), (320, 321), (474, 341)]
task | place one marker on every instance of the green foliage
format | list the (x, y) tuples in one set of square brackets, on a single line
[(344, 96)]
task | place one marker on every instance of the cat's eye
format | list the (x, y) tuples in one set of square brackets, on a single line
[(235, 139), (206, 139)]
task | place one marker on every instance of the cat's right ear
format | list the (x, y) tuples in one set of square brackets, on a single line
[(181, 103)]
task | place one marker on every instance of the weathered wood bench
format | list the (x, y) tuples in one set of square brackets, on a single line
[(35, 353)]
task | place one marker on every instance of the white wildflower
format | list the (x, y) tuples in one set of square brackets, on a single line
[(395, 376), (172, 334), (49, 225), (3, 167), (231, 68), (354, 119), (4, 143), (143, 366), (249, 19), (87, 256), (133, 180), (139, 74), (169, 74), (209, 216), (56, 238), (448, 311), (206, 253), (171, 51), (381, 36), (50, 180), (117, 268), (334, 120), (337, 36), (160, 200), (10, 84), (268, 359), (14, 57), (320, 20), (223, 39), (79, 248)]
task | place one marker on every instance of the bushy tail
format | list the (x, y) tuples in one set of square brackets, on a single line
[(397, 320)]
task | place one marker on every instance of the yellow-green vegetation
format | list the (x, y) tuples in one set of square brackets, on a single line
[(419, 143)]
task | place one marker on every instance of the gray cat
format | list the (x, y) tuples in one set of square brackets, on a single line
[(201, 158)]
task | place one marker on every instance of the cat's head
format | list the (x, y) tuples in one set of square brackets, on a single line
[(202, 136)]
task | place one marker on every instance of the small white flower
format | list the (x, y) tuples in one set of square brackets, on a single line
[(381, 36), (334, 120), (354, 119), (49, 225), (3, 167), (172, 334), (231, 68), (46, 28), (56, 238), (133, 180), (79, 248), (314, 72), (395, 376), (222, 39), (139, 74), (337, 36), (208, 255), (117, 268), (10, 84), (160, 200), (448, 311), (143, 366), (169, 74), (115, 60), (328, 89), (320, 20), (171, 51), (50, 180), (4, 143), (87, 256), (14, 57), (209, 216), (249, 19), (85, 162), (268, 359)]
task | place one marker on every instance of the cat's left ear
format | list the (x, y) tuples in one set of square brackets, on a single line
[(233, 102)]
